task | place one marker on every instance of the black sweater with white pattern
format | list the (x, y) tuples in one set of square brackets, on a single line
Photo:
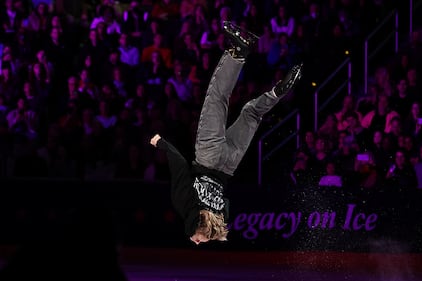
[(194, 188)]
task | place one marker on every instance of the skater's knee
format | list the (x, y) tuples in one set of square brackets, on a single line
[(250, 111)]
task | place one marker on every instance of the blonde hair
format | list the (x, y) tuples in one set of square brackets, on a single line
[(212, 226)]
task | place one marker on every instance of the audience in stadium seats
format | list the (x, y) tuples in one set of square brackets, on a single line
[(80, 94)]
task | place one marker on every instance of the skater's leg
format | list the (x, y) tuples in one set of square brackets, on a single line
[(239, 135), (212, 122)]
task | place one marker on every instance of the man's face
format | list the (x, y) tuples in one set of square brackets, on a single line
[(198, 238)]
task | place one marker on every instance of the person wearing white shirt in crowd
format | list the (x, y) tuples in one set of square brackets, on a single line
[(105, 118), (128, 53), (107, 15), (331, 178), (181, 83), (282, 22)]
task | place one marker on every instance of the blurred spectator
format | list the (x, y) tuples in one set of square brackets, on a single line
[(312, 22), (400, 99), (120, 83), (409, 147), (329, 131), (414, 86), (23, 122), (7, 84), (153, 27), (200, 22), (319, 159), (93, 48), (3, 109), (114, 61), (279, 55), (188, 8), (225, 13), (348, 106), (338, 46), (165, 9), (187, 50), (108, 40), (347, 23), (382, 80), (380, 118), (401, 174), (87, 85), (58, 54), (140, 132), (266, 40), (47, 65), (155, 73), (129, 54), (254, 18), (418, 168), (181, 83), (78, 94), (11, 20), (301, 175), (202, 71), (39, 18), (134, 22), (309, 143), (400, 66), (35, 101), (344, 157), (366, 171), (395, 130), (107, 15), (355, 130), (331, 178), (166, 53), (413, 122), (209, 37), (105, 117), (10, 60), (414, 47), (283, 22), (40, 77), (368, 102)]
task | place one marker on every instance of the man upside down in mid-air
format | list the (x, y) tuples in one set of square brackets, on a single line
[(197, 190)]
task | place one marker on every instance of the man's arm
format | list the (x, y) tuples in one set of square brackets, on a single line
[(179, 167), (183, 195)]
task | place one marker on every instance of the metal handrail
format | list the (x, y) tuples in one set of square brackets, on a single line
[(261, 156), (333, 95), (269, 132), (410, 18), (367, 56), (384, 21), (412, 8), (333, 75)]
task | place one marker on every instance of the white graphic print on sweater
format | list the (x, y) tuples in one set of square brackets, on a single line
[(209, 192)]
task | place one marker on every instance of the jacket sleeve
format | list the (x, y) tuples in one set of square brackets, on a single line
[(179, 167), (183, 195)]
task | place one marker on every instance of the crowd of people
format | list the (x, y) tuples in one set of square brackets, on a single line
[(372, 141), (82, 92)]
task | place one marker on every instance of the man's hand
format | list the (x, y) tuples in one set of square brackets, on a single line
[(155, 139)]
